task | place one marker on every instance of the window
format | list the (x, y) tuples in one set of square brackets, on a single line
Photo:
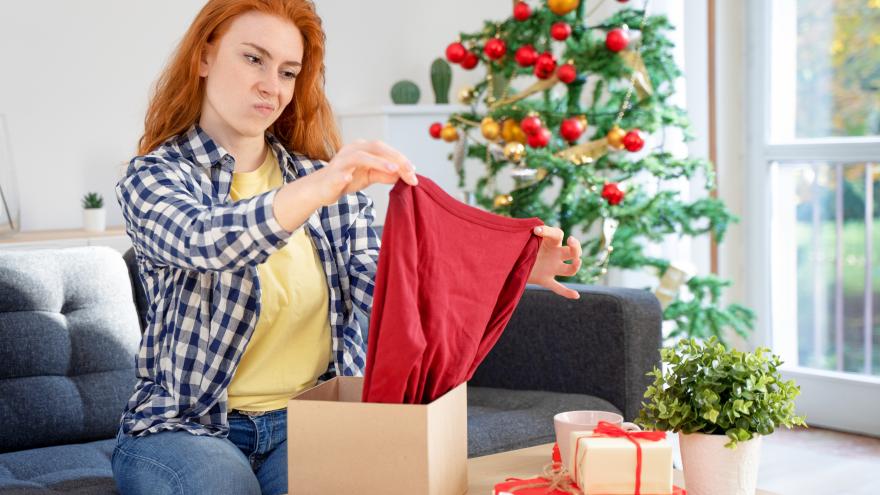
[(815, 103)]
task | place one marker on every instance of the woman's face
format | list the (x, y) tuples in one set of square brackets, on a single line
[(250, 74)]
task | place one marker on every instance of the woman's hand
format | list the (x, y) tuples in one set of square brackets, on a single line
[(551, 258), (361, 164)]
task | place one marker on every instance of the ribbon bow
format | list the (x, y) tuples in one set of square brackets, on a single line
[(606, 429)]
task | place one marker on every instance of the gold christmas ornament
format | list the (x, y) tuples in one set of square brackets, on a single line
[(449, 133), (526, 177), (467, 95), (502, 200), (562, 7), (490, 128), (585, 152), (583, 119), (541, 85), (510, 131), (676, 275), (615, 137), (641, 81), (514, 151)]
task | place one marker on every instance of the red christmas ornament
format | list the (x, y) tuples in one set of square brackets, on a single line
[(455, 52), (612, 193), (623, 1), (530, 124), (571, 129), (521, 11), (470, 61), (560, 31), (617, 39), (495, 48), (545, 65), (435, 129), (526, 55), (540, 138), (633, 140), (567, 73)]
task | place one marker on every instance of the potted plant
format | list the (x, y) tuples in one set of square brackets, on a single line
[(94, 215), (722, 403)]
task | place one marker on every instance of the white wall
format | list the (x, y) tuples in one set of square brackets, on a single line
[(76, 75)]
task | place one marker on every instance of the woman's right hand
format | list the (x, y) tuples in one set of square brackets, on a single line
[(361, 164)]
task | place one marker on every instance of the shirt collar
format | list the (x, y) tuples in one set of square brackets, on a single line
[(198, 145)]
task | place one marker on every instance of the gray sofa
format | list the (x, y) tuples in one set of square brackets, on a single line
[(69, 330)]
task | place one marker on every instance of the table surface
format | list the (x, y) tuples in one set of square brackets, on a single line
[(484, 472)]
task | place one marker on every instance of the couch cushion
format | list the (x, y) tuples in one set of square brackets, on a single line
[(68, 338), (79, 468), (500, 420)]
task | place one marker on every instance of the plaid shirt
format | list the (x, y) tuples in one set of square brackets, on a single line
[(197, 255)]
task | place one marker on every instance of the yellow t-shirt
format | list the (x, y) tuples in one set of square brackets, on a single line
[(291, 346)]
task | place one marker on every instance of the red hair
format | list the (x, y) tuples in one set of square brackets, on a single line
[(306, 125)]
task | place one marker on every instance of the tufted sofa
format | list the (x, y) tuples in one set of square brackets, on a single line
[(69, 330)]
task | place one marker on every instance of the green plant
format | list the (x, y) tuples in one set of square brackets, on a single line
[(441, 78), (405, 93), (707, 388), (92, 200)]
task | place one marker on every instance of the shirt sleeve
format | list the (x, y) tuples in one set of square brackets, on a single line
[(172, 227), (364, 243)]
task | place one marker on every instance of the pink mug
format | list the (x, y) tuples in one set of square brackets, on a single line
[(567, 422)]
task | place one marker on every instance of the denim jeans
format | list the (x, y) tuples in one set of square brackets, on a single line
[(251, 460)]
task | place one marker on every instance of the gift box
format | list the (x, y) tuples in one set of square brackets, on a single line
[(612, 461), (338, 444)]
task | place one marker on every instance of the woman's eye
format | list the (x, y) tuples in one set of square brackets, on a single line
[(289, 75), (252, 58)]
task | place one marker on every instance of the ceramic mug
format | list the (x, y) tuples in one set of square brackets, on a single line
[(566, 422)]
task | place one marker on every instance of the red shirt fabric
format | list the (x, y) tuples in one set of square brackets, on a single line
[(448, 279)]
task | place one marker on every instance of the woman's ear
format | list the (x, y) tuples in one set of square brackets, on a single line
[(206, 59)]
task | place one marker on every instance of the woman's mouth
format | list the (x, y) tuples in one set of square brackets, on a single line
[(263, 109)]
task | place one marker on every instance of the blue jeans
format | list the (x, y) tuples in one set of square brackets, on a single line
[(251, 460)]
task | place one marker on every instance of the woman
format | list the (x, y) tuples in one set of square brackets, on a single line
[(245, 213)]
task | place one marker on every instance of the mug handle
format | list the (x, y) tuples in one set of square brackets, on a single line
[(630, 427)]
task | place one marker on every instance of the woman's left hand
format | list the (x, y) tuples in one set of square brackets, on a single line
[(550, 262)]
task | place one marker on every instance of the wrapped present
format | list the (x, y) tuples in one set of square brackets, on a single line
[(612, 461)]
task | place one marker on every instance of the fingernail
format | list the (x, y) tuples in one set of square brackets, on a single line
[(538, 230), (392, 167)]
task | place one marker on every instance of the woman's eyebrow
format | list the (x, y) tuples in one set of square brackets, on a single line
[(268, 55)]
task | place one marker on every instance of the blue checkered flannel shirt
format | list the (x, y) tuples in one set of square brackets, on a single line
[(197, 253)]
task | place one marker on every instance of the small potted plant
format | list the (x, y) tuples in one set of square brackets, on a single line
[(722, 403), (94, 215)]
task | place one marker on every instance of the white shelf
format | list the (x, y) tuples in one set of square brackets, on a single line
[(416, 109)]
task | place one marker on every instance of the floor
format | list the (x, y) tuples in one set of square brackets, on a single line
[(816, 461)]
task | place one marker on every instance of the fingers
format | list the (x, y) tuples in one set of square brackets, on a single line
[(573, 268), (549, 233), (576, 245), (564, 291), (397, 163), (381, 169), (406, 166)]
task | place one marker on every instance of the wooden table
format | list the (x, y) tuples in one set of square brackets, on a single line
[(484, 472)]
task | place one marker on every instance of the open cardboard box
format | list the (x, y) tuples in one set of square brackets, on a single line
[(337, 444)]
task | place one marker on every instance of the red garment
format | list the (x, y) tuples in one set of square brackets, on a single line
[(448, 280)]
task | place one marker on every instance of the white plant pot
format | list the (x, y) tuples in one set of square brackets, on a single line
[(94, 219), (712, 469)]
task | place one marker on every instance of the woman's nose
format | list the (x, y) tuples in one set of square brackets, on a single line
[(269, 85)]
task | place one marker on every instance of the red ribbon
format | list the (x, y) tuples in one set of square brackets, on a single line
[(606, 429)]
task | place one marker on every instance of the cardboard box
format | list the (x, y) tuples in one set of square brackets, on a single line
[(337, 444)]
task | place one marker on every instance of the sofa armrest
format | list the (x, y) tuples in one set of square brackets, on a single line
[(602, 344)]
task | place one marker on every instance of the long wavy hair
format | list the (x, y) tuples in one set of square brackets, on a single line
[(306, 125)]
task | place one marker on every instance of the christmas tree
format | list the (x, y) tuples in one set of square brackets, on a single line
[(590, 121)]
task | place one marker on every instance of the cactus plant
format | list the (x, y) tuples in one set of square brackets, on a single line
[(405, 93), (92, 200), (441, 78)]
